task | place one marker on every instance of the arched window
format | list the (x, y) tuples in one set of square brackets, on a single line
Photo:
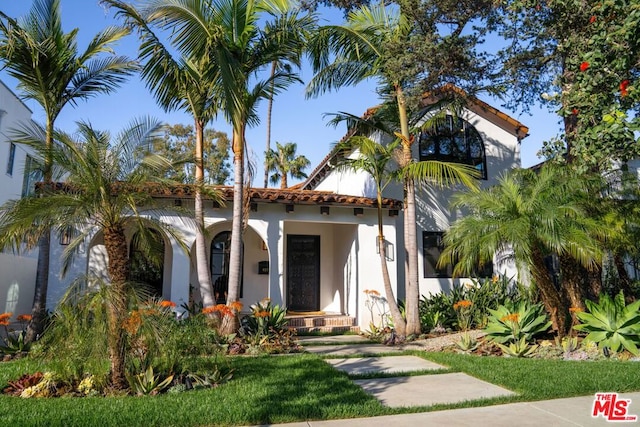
[(454, 140), (147, 263)]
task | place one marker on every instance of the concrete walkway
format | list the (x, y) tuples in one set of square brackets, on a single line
[(570, 412), (427, 386)]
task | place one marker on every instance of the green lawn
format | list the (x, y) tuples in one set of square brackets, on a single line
[(281, 389)]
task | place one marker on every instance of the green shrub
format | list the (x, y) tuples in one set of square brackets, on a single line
[(513, 323), (437, 310), (612, 324)]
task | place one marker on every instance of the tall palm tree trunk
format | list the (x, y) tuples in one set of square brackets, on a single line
[(274, 66), (230, 323), (410, 243), (39, 308), (115, 243), (399, 323), (202, 266)]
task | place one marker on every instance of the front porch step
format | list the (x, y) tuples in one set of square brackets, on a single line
[(323, 323)]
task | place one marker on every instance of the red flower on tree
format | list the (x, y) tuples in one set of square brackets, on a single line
[(623, 88), (575, 111), (592, 19), (584, 66)]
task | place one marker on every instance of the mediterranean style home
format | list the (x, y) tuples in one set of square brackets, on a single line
[(312, 247)]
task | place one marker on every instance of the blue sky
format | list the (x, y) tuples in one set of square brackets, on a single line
[(295, 119)]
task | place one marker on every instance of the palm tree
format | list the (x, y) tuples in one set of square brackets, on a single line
[(228, 32), (348, 54), (283, 161), (380, 162), (50, 70), (528, 215), (185, 83), (104, 191)]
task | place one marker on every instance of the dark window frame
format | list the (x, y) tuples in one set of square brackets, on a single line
[(12, 158), (434, 144), (432, 247)]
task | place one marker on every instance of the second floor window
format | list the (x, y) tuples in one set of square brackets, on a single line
[(12, 158), (454, 140)]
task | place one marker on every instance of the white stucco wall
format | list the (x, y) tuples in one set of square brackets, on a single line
[(348, 255), (17, 272)]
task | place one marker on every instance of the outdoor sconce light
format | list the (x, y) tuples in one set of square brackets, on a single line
[(65, 236), (288, 208), (324, 210), (177, 202), (393, 212), (358, 211), (254, 207)]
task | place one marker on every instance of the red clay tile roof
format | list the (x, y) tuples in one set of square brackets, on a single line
[(260, 195)]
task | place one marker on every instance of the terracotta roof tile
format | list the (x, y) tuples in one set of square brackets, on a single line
[(260, 195)]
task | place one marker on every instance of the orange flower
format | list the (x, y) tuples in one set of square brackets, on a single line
[(575, 111), (209, 310), (575, 310), (236, 305), (592, 19), (4, 319), (462, 303), (623, 88), (495, 279), (24, 318), (262, 313), (372, 292), (584, 66), (167, 304), (510, 317)]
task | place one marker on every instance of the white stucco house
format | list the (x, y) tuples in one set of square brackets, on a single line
[(18, 173), (311, 247)]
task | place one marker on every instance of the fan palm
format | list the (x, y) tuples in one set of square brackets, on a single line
[(50, 70), (528, 215), (104, 192), (283, 161)]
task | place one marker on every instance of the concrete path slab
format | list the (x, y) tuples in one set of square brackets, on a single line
[(385, 365), (568, 412), (430, 390), (352, 349)]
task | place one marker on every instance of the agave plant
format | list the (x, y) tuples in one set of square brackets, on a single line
[(520, 348), (612, 324), (513, 324)]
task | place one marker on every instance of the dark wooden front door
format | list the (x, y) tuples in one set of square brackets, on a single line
[(303, 272)]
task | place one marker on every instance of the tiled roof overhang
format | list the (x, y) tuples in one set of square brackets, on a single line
[(259, 195)]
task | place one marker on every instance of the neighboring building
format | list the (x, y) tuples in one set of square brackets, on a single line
[(482, 137), (18, 173), (312, 248)]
